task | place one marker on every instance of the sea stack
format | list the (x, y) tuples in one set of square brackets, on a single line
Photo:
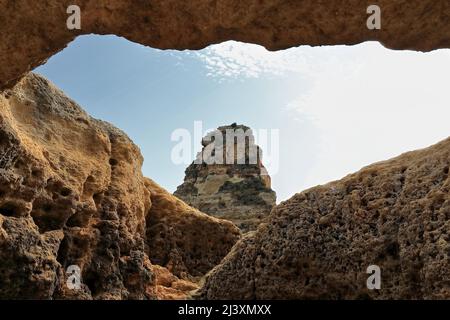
[(228, 180)]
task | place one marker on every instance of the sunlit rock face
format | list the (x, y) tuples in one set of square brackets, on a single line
[(319, 244), (193, 24), (72, 194), (228, 179)]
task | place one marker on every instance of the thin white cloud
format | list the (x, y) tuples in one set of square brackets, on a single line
[(238, 60), (366, 103), (373, 105)]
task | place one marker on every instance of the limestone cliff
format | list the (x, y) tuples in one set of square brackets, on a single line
[(72, 193), (237, 187), (318, 245)]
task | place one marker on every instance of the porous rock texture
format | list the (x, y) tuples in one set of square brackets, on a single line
[(186, 244), (319, 244), (228, 179), (72, 193), (32, 31), (169, 287)]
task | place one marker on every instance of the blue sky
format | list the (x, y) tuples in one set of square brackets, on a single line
[(337, 109)]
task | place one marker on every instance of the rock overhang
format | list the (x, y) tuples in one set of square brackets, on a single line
[(194, 24)]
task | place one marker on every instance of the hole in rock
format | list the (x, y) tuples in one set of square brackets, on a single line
[(36, 173), (63, 251), (79, 219), (113, 162), (321, 100), (393, 250), (19, 164), (98, 197), (10, 209), (65, 192), (46, 223), (4, 140), (336, 110), (51, 215), (91, 279)]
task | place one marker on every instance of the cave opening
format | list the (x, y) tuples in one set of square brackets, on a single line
[(337, 108)]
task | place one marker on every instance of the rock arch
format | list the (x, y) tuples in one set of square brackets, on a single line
[(33, 31)]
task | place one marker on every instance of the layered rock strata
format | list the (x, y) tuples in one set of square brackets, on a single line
[(228, 180)]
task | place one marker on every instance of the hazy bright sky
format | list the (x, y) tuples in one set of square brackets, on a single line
[(337, 108)]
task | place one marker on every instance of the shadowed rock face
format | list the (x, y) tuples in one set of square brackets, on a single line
[(72, 193), (187, 243), (318, 245), (228, 180), (193, 24)]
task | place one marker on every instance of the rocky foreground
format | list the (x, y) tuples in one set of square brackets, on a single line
[(72, 194), (318, 244)]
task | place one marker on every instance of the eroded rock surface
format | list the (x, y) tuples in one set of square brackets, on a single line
[(169, 287), (37, 275), (72, 193), (193, 24), (318, 245), (183, 239), (228, 180)]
